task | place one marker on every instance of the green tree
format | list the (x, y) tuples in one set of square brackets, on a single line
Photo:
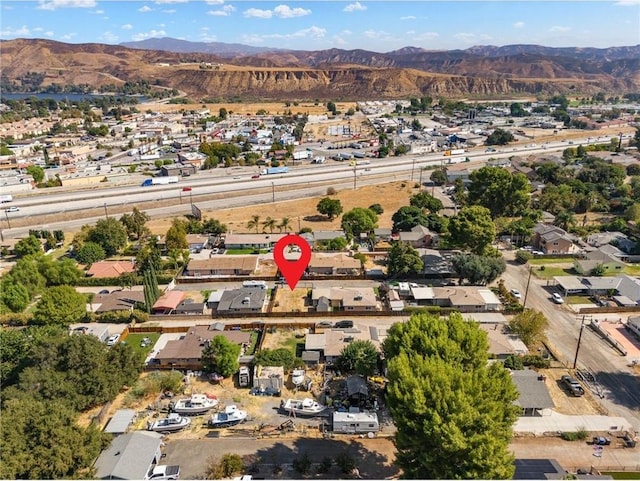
[(176, 237), (276, 357), (377, 208), (632, 213), (221, 355), (269, 223), (503, 193), (13, 295), (110, 234), (499, 137), (359, 221), (60, 305), (404, 260), (36, 172), (89, 253), (564, 219), (439, 176), (472, 228), (26, 273), (407, 217), (359, 356), (453, 410), (479, 270), (214, 227), (337, 244), (227, 467), (254, 223), (329, 207), (517, 110), (135, 224), (28, 246), (529, 325), (59, 272), (285, 224), (425, 201)]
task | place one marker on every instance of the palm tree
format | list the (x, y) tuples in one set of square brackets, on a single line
[(564, 219), (254, 223), (269, 223), (285, 224)]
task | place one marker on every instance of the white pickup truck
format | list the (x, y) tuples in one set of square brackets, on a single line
[(163, 471)]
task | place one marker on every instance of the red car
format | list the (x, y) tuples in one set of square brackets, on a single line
[(257, 176)]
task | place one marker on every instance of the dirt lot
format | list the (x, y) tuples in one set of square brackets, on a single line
[(272, 108), (566, 403), (303, 212), (290, 301)]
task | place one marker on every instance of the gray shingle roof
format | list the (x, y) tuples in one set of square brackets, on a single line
[(129, 456), (533, 392)]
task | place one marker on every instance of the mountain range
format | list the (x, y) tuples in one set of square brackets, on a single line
[(259, 73)]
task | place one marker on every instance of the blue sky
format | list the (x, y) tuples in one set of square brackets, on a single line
[(379, 26)]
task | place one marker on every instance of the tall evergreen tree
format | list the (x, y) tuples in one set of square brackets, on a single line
[(453, 412)]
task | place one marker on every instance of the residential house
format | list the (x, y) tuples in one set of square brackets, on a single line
[(186, 352), (333, 265), (197, 242), (551, 239), (330, 342), (533, 397), (438, 264), (326, 299), (251, 241), (268, 379), (110, 269), (222, 266), (182, 170), (123, 300), (168, 302), (463, 298), (245, 300), (129, 456), (321, 237), (618, 239), (188, 307), (418, 237), (633, 324), (626, 289), (596, 259), (502, 343), (192, 160)]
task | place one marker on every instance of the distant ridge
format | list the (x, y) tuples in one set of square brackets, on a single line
[(221, 49)]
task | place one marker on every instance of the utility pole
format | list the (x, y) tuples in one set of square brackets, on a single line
[(273, 193), (413, 167), (575, 359), (354, 177), (106, 214), (6, 214), (526, 291)]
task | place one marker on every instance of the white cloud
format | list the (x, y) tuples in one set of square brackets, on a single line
[(559, 28), (160, 2), (338, 40), (109, 37), (144, 9), (252, 39), (346, 32), (68, 36), (518, 25), (205, 37), (7, 7), (311, 32), (127, 26), (98, 12), (214, 2), (161, 25), (257, 13), (465, 37), (225, 11), (425, 36), (284, 11), (170, 10), (149, 34), (53, 4), (38, 29), (354, 7), (627, 3), (49, 33), (378, 35), (17, 32), (408, 17)]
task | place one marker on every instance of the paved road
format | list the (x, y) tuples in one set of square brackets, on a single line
[(621, 386)]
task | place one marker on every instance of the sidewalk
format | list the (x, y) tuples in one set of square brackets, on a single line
[(565, 423)]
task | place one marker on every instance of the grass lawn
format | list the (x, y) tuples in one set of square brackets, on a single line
[(244, 252), (134, 341), (550, 272), (632, 270), (556, 260), (577, 300), (622, 474)]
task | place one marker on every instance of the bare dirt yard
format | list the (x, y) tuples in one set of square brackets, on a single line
[(564, 402), (290, 301), (303, 212)]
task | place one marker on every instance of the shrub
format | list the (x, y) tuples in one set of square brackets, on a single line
[(536, 361), (377, 208), (523, 256), (331, 191), (325, 465), (345, 462), (302, 464), (514, 363), (579, 435)]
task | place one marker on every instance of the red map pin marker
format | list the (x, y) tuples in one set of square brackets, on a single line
[(292, 270)]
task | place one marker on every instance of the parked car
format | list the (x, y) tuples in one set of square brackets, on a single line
[(557, 298), (12, 209), (344, 324), (113, 340), (573, 385), (601, 441), (324, 324), (516, 293), (256, 176), (104, 291)]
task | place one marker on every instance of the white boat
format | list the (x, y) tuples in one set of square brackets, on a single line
[(173, 422), (297, 376), (304, 407), (195, 405), (229, 417)]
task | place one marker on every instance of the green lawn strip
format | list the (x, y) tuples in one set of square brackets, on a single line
[(134, 340), (556, 260), (577, 300), (550, 272), (632, 270), (622, 474), (238, 252)]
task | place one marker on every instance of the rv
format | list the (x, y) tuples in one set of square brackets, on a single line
[(254, 284), (355, 423)]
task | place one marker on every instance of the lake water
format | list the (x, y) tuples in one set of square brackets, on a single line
[(71, 97)]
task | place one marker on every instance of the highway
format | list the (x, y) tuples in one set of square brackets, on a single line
[(237, 187)]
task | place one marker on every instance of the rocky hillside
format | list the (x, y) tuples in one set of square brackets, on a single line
[(329, 74)]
